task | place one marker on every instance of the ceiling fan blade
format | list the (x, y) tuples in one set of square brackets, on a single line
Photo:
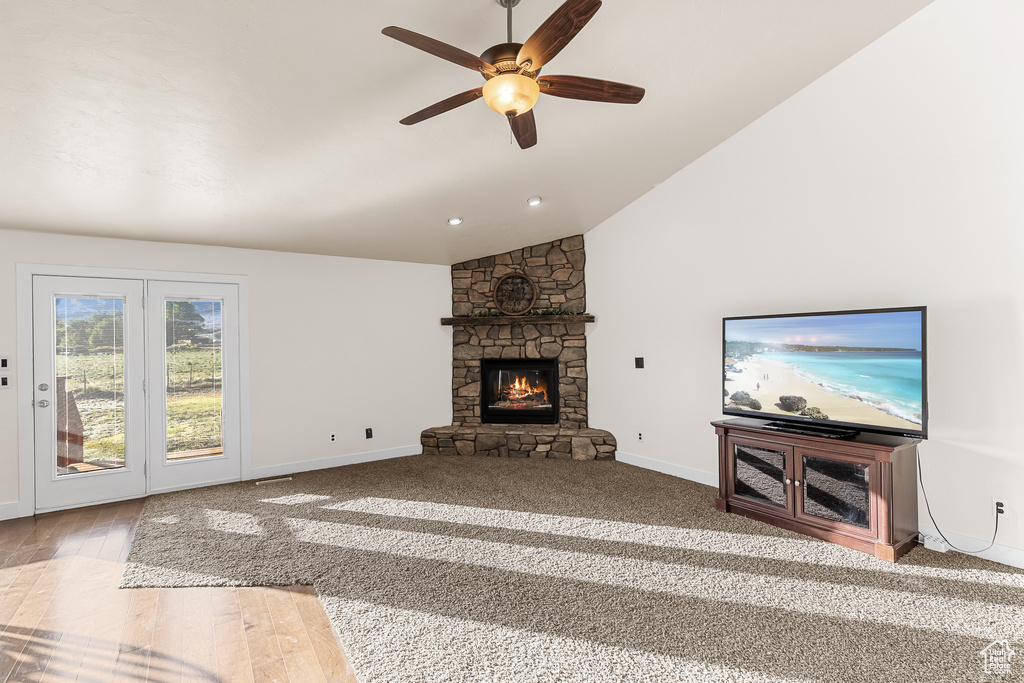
[(524, 127), (594, 89), (443, 106), (439, 49), (555, 33)]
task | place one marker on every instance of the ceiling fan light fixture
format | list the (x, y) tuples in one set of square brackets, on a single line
[(511, 94), (511, 70)]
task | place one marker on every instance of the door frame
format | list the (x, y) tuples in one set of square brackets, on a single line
[(26, 414)]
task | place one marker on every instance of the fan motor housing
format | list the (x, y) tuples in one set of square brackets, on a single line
[(503, 57)]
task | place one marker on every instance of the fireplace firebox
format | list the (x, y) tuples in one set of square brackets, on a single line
[(519, 391)]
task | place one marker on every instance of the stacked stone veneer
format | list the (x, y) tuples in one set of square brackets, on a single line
[(555, 267), (557, 270), (566, 342), (520, 441)]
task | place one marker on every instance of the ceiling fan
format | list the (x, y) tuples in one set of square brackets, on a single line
[(512, 70)]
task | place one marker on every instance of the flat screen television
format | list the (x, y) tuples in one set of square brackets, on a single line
[(862, 370)]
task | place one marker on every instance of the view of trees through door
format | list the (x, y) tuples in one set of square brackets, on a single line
[(89, 391), (194, 378)]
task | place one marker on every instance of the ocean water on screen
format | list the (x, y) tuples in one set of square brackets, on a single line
[(889, 380)]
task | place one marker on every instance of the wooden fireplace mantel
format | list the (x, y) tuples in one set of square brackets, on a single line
[(474, 320)]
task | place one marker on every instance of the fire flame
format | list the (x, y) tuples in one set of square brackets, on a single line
[(520, 388), (520, 391)]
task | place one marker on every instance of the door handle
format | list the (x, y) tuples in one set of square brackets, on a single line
[(42, 403)]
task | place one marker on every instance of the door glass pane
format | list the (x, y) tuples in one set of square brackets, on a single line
[(194, 378), (837, 491), (760, 473), (89, 385)]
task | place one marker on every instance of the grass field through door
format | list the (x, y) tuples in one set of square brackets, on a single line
[(193, 380)]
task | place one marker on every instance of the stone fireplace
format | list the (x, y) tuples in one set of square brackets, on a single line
[(519, 382)]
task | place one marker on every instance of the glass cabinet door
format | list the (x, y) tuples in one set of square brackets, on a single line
[(759, 473), (834, 490)]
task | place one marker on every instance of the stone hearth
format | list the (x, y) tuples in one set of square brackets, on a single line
[(480, 331), (520, 441)]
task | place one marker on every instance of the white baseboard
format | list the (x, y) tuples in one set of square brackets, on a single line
[(1002, 554), (11, 511), (688, 473), (351, 459)]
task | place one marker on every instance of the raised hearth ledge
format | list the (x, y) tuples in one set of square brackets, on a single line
[(518, 319), (519, 441)]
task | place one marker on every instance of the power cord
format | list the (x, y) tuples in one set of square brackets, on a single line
[(999, 511)]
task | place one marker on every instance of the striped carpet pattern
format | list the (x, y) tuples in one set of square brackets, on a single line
[(507, 570)]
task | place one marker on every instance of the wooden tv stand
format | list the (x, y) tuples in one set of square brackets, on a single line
[(860, 493)]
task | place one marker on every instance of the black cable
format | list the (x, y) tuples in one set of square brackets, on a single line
[(936, 525)]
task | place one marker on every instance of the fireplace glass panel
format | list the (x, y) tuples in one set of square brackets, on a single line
[(759, 474), (837, 491), (520, 392)]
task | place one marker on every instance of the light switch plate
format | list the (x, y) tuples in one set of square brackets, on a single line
[(5, 382), (5, 363)]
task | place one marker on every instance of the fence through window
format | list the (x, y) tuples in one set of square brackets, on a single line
[(194, 378)]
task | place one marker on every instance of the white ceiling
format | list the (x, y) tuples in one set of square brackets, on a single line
[(274, 125)]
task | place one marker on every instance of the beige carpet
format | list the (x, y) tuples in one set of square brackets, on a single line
[(505, 570)]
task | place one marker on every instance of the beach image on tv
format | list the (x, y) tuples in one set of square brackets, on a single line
[(858, 368)]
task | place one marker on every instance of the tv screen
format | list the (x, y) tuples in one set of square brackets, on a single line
[(863, 370)]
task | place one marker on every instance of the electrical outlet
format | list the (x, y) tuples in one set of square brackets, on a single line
[(334, 437), (639, 436), (369, 432), (998, 506)]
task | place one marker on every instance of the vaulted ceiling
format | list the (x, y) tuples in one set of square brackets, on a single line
[(274, 125)]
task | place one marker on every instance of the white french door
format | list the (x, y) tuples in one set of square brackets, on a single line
[(90, 410), (136, 387), (194, 401)]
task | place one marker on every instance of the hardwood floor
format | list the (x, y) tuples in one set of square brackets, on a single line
[(64, 619)]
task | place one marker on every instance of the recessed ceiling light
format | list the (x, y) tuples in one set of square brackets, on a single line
[(534, 201), (454, 220)]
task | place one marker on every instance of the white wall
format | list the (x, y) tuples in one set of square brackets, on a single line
[(896, 179), (332, 342)]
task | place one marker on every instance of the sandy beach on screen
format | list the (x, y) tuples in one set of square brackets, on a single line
[(783, 381)]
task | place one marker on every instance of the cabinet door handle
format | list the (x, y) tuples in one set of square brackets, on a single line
[(788, 481), (796, 483)]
